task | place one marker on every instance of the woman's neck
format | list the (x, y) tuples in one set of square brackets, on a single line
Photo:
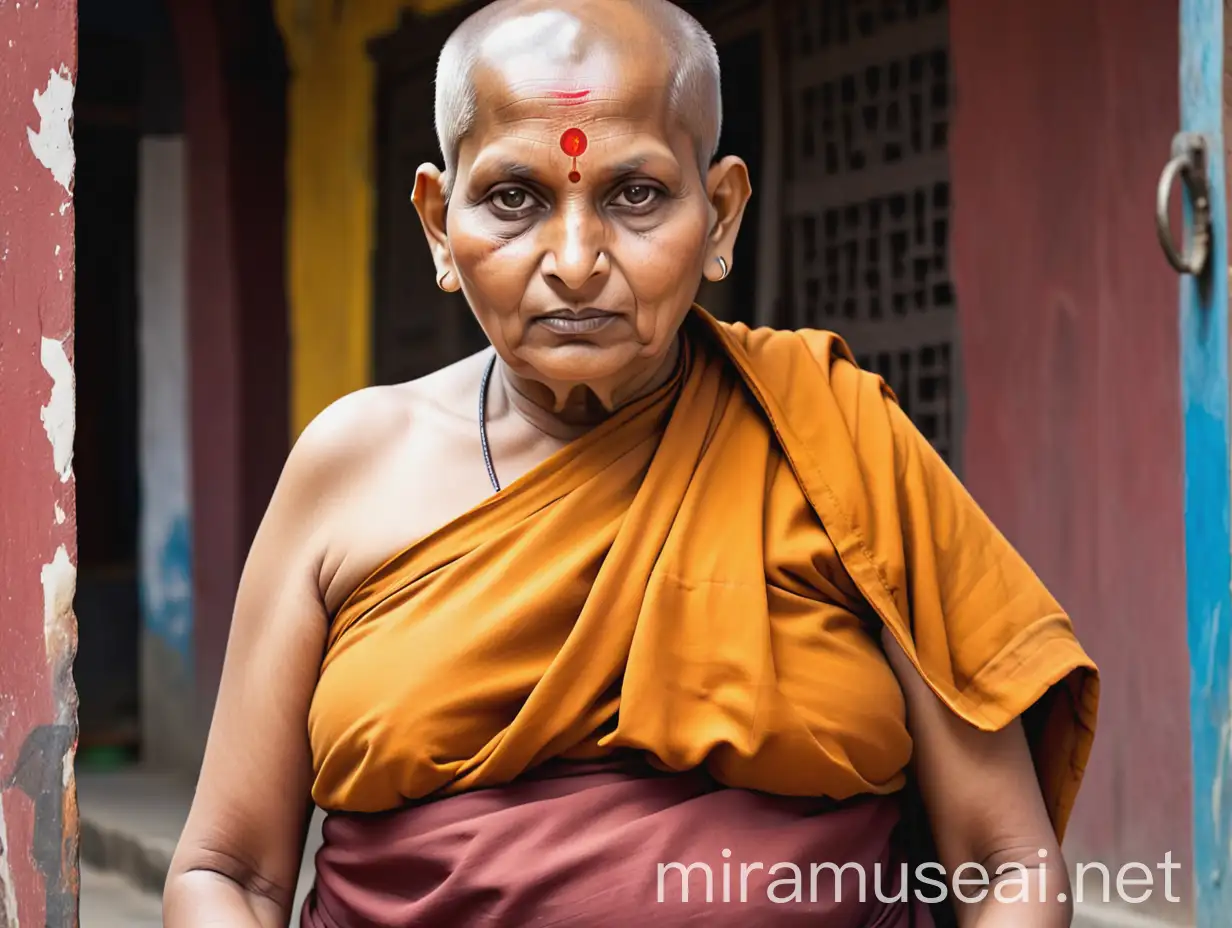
[(582, 411)]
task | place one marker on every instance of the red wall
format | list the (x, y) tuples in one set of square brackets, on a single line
[(1065, 112), (38, 550), (214, 340), (235, 123)]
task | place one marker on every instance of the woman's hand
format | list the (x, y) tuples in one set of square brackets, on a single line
[(985, 807)]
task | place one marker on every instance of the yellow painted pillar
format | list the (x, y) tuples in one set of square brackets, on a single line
[(330, 212)]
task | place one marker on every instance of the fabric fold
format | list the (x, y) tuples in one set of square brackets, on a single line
[(701, 580)]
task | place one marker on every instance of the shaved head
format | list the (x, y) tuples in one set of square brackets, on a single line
[(564, 34)]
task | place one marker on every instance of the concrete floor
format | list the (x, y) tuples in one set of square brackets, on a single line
[(130, 822), (110, 901)]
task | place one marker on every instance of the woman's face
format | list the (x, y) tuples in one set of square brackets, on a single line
[(581, 272)]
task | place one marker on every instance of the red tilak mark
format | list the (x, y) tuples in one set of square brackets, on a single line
[(569, 97), (573, 143)]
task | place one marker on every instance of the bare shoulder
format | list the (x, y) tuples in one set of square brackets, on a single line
[(349, 431), (332, 454), (370, 474)]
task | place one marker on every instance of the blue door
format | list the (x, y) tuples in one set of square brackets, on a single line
[(1199, 251)]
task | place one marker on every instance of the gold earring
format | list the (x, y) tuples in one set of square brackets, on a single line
[(440, 281)]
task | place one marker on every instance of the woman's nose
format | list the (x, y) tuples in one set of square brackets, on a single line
[(575, 255)]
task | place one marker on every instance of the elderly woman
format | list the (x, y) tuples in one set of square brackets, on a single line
[(636, 617)]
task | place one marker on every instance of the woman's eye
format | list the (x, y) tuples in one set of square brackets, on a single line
[(512, 200), (636, 195)]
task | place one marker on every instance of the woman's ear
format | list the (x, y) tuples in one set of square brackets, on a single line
[(430, 204), (729, 190)]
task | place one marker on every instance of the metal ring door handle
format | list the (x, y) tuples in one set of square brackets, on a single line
[(1189, 163)]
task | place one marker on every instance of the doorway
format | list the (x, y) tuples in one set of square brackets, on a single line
[(107, 135)]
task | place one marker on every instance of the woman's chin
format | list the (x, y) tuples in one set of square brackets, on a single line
[(580, 362)]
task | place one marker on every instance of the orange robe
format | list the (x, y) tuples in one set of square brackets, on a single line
[(703, 578)]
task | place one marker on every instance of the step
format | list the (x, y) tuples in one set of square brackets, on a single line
[(130, 823), (110, 901), (131, 820)]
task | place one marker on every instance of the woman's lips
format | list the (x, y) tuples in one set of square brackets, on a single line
[(584, 321)]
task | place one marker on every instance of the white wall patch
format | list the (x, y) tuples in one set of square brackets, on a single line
[(8, 889), (52, 144), (59, 586), (59, 415)]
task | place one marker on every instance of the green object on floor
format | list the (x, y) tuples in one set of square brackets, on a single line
[(104, 759)]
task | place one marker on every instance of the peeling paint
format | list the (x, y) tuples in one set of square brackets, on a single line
[(59, 579), (52, 144), (1221, 760), (1208, 648), (1221, 767), (58, 415), (45, 766), (8, 891), (60, 516), (39, 774)]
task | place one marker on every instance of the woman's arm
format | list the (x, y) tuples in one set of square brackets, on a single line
[(985, 807), (238, 858)]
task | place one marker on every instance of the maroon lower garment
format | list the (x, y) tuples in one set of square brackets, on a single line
[(580, 844)]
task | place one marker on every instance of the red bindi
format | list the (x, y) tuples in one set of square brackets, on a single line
[(573, 143)]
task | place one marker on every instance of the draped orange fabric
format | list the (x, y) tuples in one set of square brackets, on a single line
[(703, 578)]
